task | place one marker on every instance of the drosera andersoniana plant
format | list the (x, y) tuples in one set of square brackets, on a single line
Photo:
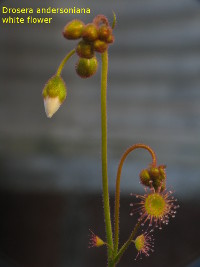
[(157, 205)]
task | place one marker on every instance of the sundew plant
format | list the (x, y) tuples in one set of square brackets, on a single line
[(157, 205)]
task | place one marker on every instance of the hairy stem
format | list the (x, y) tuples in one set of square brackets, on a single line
[(128, 242), (62, 64), (104, 74), (117, 192)]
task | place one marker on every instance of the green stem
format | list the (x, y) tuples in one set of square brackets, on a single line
[(62, 64), (104, 75), (117, 192), (128, 242)]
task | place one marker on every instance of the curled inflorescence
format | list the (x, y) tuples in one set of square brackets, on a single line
[(95, 37)]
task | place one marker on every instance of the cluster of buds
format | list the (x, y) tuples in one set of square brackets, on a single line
[(95, 37), (154, 177)]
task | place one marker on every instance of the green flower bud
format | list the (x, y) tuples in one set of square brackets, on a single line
[(85, 68), (104, 32), (110, 39), (156, 184), (145, 177), (154, 172), (162, 172), (73, 30), (54, 93), (158, 177), (100, 46), (85, 49), (90, 32)]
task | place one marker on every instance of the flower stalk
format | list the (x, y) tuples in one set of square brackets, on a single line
[(64, 61), (104, 74), (127, 243), (117, 191)]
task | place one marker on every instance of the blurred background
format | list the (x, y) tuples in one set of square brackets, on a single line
[(50, 169)]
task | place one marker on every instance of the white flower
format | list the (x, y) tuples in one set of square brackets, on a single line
[(51, 105), (54, 93)]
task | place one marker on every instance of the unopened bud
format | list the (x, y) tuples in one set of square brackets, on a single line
[(85, 49), (154, 171), (145, 177), (73, 30), (90, 32), (85, 68), (54, 93), (95, 241), (110, 39), (100, 46), (104, 32), (162, 172), (158, 177), (157, 184)]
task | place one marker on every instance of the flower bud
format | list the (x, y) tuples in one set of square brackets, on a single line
[(110, 39), (85, 49), (85, 68), (73, 30), (162, 172), (100, 46), (158, 177), (154, 176), (95, 241), (157, 184), (104, 32), (154, 172), (90, 32), (54, 93), (145, 177)]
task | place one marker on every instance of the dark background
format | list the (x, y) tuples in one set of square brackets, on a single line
[(50, 169)]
